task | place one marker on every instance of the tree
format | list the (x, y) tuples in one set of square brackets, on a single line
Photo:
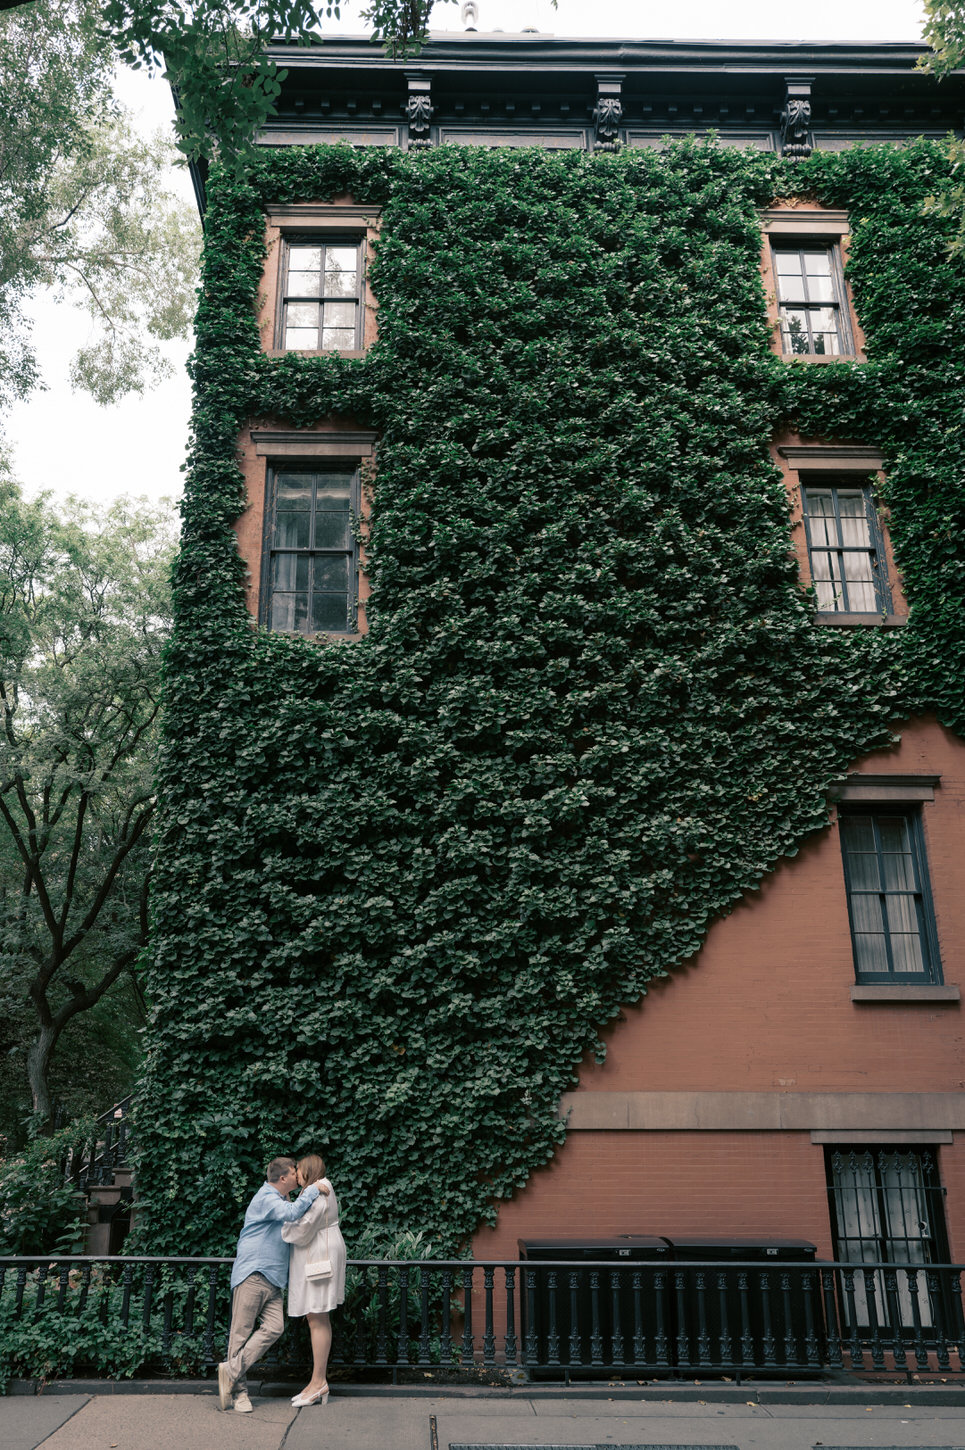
[(944, 31), (212, 52), (84, 609), (84, 207)]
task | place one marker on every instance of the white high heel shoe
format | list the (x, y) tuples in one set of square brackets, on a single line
[(320, 1397)]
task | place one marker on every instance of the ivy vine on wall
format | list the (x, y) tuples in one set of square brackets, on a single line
[(402, 883)]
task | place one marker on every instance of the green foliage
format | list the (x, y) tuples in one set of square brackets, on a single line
[(213, 53), (69, 1322), (402, 883), (85, 606), (944, 31), (39, 1212), (84, 207)]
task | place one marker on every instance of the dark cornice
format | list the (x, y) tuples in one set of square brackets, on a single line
[(510, 52)]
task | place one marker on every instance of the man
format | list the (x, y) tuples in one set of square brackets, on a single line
[(259, 1275)]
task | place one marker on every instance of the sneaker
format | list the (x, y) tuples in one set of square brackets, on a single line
[(225, 1385), (242, 1403)]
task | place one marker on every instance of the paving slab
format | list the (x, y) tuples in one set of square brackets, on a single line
[(356, 1421), (26, 1423), (169, 1422)]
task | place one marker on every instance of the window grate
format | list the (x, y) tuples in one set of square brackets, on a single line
[(887, 1206)]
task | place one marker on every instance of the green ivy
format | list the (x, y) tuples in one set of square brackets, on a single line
[(402, 884)]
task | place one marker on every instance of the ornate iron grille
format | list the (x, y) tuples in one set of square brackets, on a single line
[(887, 1207)]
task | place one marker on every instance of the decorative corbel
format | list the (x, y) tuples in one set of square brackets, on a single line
[(418, 110), (608, 112), (796, 141)]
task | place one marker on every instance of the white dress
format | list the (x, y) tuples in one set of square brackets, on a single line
[(316, 1235)]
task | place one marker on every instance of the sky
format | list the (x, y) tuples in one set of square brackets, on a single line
[(64, 442)]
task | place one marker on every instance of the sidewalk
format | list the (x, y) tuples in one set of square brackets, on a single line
[(361, 1418)]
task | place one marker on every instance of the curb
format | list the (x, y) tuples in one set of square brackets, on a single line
[(822, 1392)]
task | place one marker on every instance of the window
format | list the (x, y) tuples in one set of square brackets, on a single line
[(321, 294), (811, 299), (311, 556), (889, 903), (886, 1207), (845, 548)]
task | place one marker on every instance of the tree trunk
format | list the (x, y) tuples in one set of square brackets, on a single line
[(38, 1063)]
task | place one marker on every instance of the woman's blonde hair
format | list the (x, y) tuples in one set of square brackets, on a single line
[(311, 1167)]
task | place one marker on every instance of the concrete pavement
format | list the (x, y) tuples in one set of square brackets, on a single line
[(356, 1419)]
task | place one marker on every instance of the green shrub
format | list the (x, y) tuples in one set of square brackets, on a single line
[(40, 1212)]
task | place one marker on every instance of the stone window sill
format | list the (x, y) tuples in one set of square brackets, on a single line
[(850, 621), (821, 357), (316, 351), (903, 992)]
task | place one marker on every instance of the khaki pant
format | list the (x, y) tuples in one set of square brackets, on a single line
[(254, 1298)]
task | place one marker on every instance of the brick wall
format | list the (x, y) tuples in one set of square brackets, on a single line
[(765, 1007)]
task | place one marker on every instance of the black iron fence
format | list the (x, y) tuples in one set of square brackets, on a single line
[(128, 1315)]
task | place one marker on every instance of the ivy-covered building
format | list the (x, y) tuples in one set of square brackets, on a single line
[(562, 793)]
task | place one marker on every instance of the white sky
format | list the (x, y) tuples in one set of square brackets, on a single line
[(64, 442)]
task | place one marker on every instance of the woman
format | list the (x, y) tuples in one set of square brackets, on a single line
[(315, 1238)]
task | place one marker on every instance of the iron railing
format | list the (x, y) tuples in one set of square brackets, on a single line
[(95, 1161), (552, 1320)]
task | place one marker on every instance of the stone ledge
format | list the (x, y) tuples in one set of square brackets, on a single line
[(762, 1112), (904, 992)]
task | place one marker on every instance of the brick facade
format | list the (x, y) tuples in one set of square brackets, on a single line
[(765, 1008)]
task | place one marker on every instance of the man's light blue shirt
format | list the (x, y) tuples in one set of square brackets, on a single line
[(261, 1248)]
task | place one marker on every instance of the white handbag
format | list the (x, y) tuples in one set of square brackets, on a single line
[(320, 1268)]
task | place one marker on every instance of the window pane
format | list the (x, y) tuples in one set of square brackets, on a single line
[(304, 258), (855, 527), (864, 871), (341, 259), (817, 266), (332, 531), (289, 611), (301, 314), (895, 834), (825, 344), (331, 572), (329, 611), (858, 833), (294, 491), (338, 314), (341, 284), (906, 949), (824, 319), (871, 954), (862, 598), (304, 284), (820, 289), (292, 531), (301, 337), (338, 337), (821, 521), (797, 339), (790, 279), (866, 909), (817, 261), (333, 490), (290, 571), (899, 872)]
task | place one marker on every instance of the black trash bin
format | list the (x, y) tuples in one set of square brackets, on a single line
[(765, 1316), (598, 1320)]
